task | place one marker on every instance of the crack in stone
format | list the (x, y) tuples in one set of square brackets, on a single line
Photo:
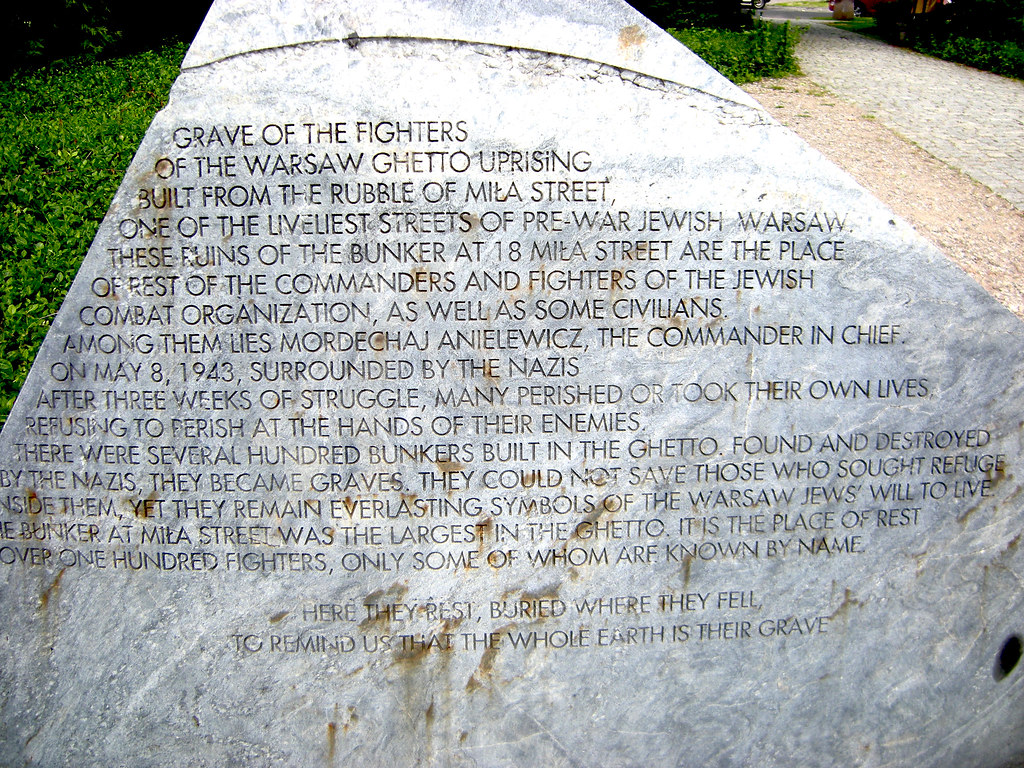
[(633, 77)]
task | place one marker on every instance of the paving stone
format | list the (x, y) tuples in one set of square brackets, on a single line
[(943, 107)]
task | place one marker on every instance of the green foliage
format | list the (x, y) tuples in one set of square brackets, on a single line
[(694, 14), (764, 50), (998, 20), (727, 36), (44, 31), (987, 34), (1002, 57), (67, 135)]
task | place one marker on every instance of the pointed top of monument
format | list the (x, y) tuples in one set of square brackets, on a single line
[(605, 31)]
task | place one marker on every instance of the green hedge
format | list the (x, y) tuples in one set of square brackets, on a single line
[(986, 34), (67, 134), (1002, 57)]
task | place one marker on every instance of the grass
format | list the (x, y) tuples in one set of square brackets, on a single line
[(764, 50), (867, 26), (67, 134), (863, 26)]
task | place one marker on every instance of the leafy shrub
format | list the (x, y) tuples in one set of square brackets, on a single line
[(1002, 57), (67, 135), (764, 50)]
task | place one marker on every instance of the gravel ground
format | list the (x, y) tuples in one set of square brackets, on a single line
[(978, 231)]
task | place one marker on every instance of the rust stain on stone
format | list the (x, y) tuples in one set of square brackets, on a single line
[(996, 475), (631, 37), (964, 516), (483, 530), (486, 665), (353, 719), (549, 591), (844, 607), (393, 593), (332, 736), (440, 643), (412, 655), (278, 616), (1009, 549), (483, 669), (589, 519), (35, 733), (51, 591), (142, 509), (919, 562), (450, 625)]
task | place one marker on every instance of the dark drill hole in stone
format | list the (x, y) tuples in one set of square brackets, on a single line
[(1009, 655)]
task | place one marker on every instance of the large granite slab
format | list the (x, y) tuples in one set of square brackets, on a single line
[(458, 383)]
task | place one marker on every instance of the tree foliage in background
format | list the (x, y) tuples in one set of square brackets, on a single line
[(694, 14), (987, 34), (999, 20), (44, 31)]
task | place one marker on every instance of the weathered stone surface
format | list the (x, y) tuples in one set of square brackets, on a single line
[(363, 439)]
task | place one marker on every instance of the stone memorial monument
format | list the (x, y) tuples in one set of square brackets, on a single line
[(473, 383)]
